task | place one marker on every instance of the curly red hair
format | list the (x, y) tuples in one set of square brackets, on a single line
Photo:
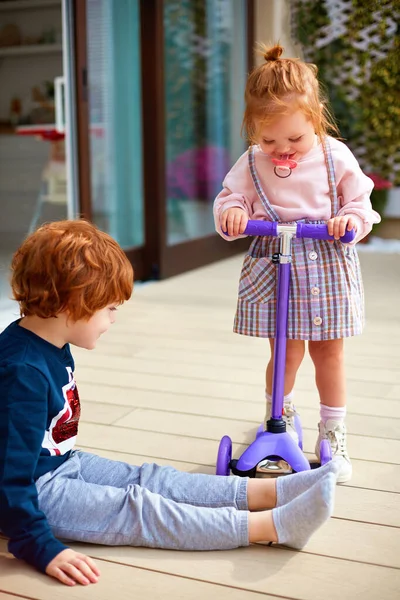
[(69, 266)]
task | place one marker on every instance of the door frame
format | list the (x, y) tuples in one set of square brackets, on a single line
[(163, 260), (79, 34)]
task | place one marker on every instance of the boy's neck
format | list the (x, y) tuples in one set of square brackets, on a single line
[(51, 330)]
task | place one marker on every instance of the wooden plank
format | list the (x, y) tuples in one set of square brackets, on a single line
[(212, 372), (120, 581), (207, 428), (375, 475), (269, 570), (394, 393), (383, 344), (360, 417), (352, 540), (98, 412), (218, 389), (129, 342), (380, 427), (139, 459), (216, 327), (217, 323), (257, 361), (369, 506), (170, 447)]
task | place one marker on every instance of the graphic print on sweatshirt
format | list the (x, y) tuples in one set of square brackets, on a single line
[(63, 429)]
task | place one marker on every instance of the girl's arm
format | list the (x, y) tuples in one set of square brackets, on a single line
[(238, 192), (354, 190), (225, 200)]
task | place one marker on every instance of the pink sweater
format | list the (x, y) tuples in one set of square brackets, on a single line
[(303, 195)]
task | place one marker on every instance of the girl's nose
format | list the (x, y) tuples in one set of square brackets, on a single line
[(283, 149)]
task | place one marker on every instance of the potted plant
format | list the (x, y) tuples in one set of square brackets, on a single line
[(379, 198), (379, 195)]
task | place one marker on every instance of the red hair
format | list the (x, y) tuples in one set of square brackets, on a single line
[(69, 266), (281, 86)]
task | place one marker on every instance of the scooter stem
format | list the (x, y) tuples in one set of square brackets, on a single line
[(282, 307)]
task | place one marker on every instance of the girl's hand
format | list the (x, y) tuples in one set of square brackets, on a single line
[(234, 221), (338, 225), (71, 567)]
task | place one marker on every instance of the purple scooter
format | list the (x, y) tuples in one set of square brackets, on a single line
[(274, 451)]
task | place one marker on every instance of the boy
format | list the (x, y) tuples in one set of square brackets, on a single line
[(69, 278)]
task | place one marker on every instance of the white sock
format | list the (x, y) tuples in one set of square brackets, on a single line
[(297, 521), (334, 413), (289, 487), (287, 400)]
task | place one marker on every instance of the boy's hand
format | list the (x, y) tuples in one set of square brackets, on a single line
[(234, 221), (338, 225), (70, 567)]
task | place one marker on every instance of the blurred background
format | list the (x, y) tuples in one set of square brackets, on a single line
[(128, 113)]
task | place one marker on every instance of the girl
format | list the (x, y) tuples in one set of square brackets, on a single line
[(295, 171)]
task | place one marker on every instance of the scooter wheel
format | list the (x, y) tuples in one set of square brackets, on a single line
[(325, 452), (224, 456)]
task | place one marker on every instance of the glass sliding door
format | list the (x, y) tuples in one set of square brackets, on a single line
[(115, 132), (205, 65)]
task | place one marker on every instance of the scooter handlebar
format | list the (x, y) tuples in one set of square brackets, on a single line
[(318, 231), (261, 228)]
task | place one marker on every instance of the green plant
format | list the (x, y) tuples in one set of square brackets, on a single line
[(356, 47)]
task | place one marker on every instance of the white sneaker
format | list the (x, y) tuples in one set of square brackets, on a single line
[(335, 433), (288, 414)]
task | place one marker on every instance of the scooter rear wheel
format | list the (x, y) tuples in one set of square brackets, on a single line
[(224, 456), (325, 452)]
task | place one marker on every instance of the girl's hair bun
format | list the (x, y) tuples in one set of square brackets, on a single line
[(273, 53)]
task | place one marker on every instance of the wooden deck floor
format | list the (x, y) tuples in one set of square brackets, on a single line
[(170, 379)]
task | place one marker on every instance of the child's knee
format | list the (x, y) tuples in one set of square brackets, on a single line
[(295, 351), (326, 351)]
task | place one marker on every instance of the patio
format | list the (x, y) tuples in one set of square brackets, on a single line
[(170, 379)]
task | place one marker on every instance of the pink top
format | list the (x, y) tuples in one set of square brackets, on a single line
[(303, 195)]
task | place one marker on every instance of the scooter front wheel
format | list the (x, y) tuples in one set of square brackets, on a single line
[(325, 452), (224, 456)]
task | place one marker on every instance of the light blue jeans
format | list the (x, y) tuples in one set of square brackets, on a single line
[(100, 501)]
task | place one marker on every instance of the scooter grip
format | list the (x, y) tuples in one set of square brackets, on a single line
[(319, 231), (261, 228)]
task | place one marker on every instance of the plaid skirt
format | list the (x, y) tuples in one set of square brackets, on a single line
[(326, 299)]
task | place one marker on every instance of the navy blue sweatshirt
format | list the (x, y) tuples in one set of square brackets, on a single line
[(39, 413)]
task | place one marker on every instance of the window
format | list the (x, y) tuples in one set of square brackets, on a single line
[(205, 69)]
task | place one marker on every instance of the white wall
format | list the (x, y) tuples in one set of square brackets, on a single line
[(272, 21)]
